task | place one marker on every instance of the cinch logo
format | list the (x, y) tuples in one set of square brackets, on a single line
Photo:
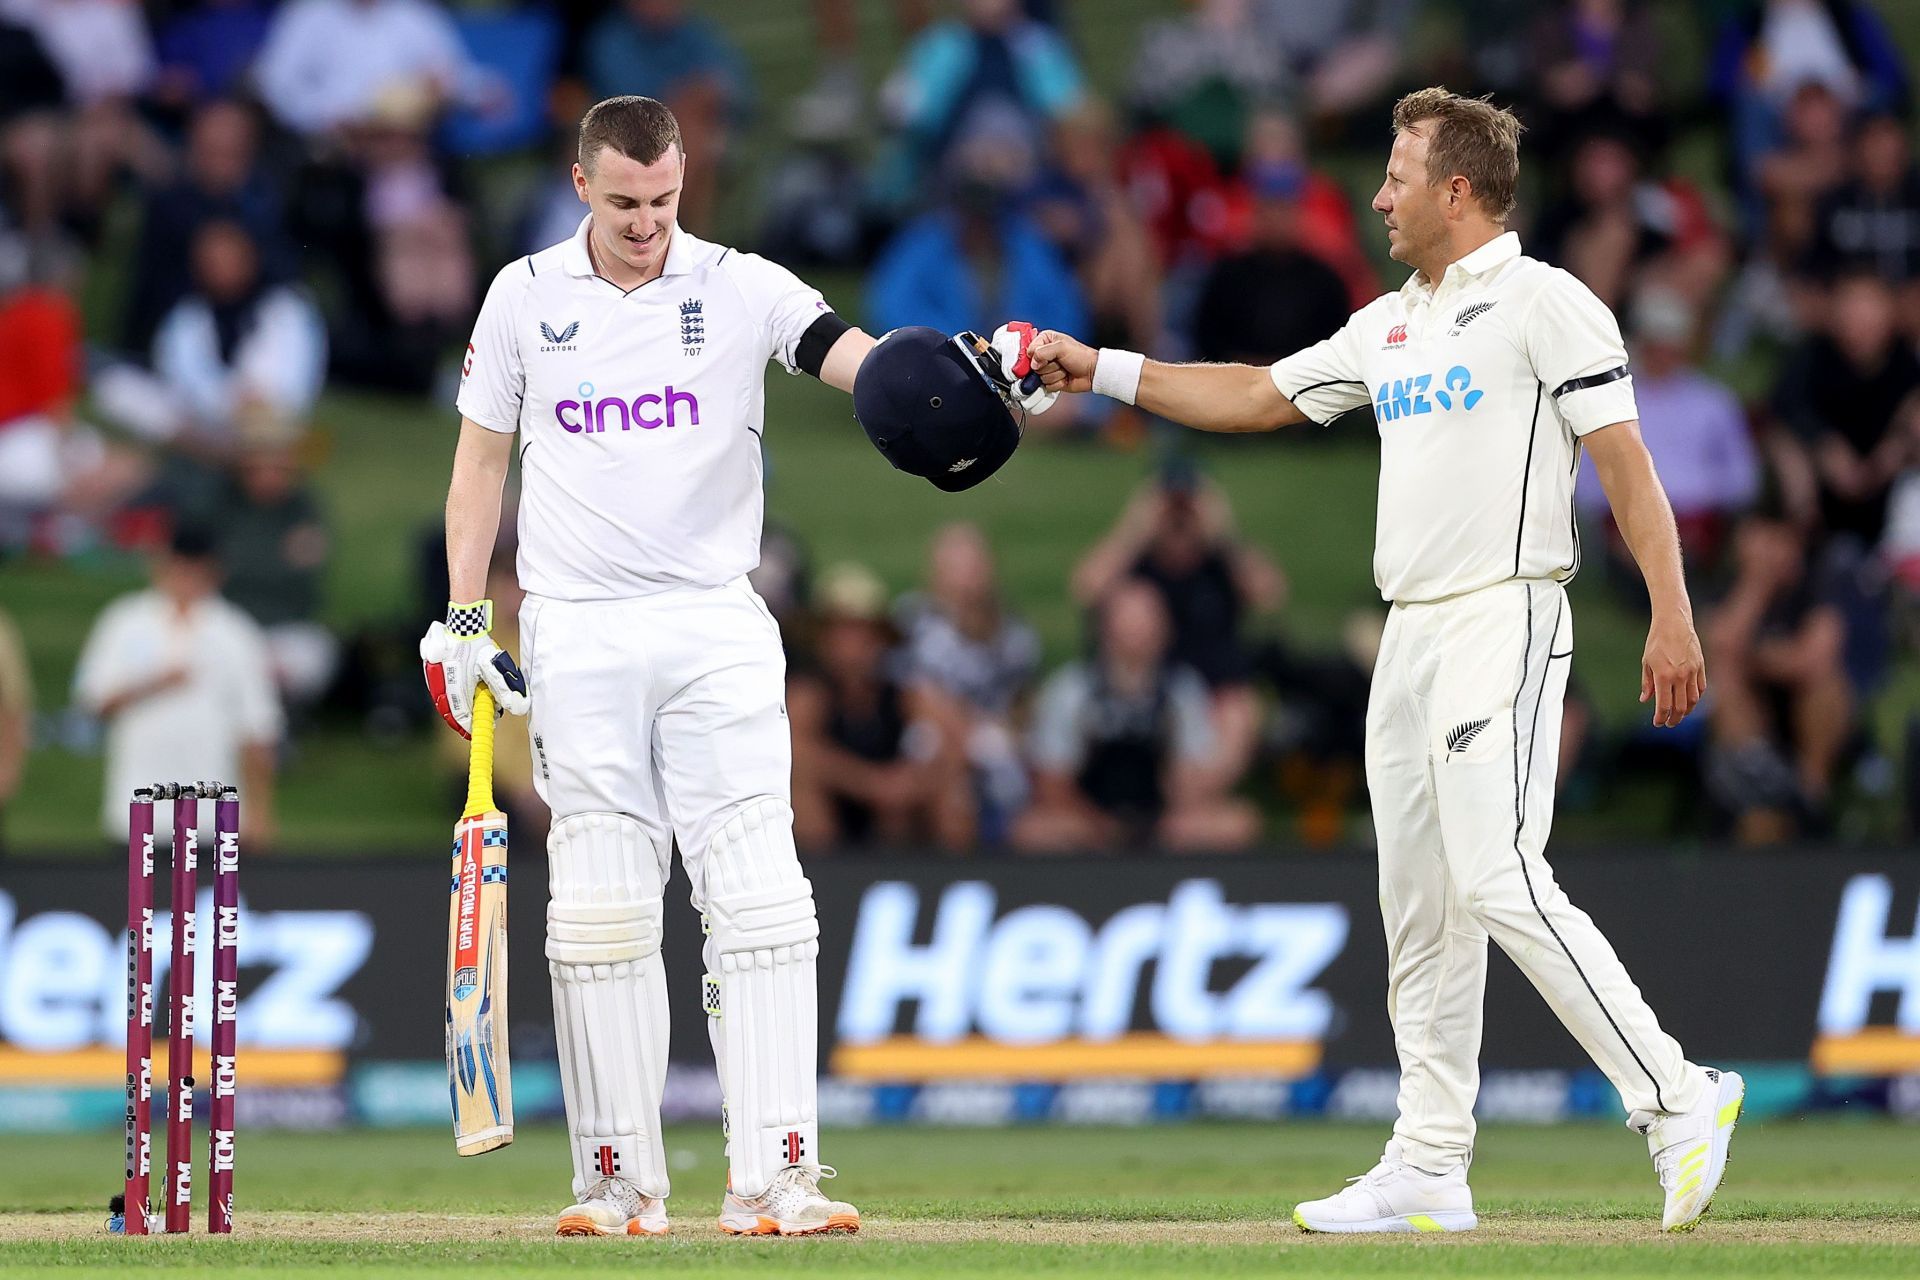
[(1397, 335), (1401, 397), (648, 411)]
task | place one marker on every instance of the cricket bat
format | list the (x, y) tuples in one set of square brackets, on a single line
[(478, 1075)]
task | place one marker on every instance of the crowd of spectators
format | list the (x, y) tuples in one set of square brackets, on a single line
[(289, 193)]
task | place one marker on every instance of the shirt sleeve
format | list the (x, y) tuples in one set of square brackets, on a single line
[(783, 305), (1323, 381), (493, 380), (1056, 744), (1192, 723), (1574, 344)]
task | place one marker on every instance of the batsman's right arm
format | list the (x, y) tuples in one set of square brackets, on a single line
[(473, 507)]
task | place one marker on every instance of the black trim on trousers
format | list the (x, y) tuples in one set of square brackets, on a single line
[(1520, 820)]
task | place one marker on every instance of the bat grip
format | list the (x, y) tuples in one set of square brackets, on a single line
[(480, 759)]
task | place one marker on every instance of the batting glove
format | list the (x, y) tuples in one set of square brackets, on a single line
[(1008, 366), (458, 654)]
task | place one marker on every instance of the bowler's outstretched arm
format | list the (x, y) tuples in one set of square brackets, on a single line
[(1208, 397)]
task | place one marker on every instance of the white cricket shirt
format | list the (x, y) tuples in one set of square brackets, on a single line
[(639, 411), (1482, 388)]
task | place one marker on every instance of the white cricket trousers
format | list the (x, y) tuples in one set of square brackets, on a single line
[(1463, 745)]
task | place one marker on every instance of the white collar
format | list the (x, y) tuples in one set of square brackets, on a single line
[(577, 261), (1496, 252)]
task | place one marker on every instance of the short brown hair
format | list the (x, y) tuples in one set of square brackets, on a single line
[(1472, 138), (639, 128)]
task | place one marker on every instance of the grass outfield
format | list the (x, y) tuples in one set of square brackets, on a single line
[(1822, 1199)]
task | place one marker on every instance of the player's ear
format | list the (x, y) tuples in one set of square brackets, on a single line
[(580, 182)]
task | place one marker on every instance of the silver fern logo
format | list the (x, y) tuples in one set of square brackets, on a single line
[(1467, 316), (562, 340), (1461, 736)]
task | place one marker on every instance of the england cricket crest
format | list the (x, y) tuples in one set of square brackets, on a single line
[(693, 328)]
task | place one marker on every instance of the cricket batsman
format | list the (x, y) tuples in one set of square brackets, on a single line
[(630, 361), (1488, 372)]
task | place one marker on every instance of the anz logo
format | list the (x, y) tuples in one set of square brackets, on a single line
[(1397, 398)]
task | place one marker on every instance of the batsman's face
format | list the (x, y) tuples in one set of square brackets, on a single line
[(1410, 206), (634, 205)]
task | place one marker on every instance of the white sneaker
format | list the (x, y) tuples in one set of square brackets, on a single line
[(1394, 1196), (792, 1205), (1690, 1149), (614, 1207)]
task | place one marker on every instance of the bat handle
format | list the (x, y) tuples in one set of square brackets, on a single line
[(480, 759)]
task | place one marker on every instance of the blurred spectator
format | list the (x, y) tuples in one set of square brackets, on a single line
[(875, 759), (1203, 73), (1122, 747), (330, 64), (105, 58), (1346, 52), (1696, 430), (1275, 297), (1081, 208), (961, 642), (1596, 55), (31, 94), (1773, 298), (207, 50), (184, 682), (222, 178), (54, 469), (1770, 49), (1770, 643), (239, 354), (653, 48), (990, 71), (1873, 219), (976, 260), (274, 547), (1319, 732), (1810, 161), (16, 716), (834, 107), (1177, 535), (1276, 155), (1848, 395), (1615, 223)]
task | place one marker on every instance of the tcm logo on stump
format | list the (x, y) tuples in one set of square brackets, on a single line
[(1190, 988)]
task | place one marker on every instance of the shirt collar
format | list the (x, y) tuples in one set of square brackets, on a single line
[(1502, 249), (578, 262)]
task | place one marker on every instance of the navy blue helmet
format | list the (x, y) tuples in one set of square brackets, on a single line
[(931, 409)]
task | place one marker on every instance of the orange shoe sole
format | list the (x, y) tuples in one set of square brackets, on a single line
[(578, 1224), (837, 1224)]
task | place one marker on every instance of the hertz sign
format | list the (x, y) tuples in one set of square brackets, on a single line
[(1875, 960), (946, 985)]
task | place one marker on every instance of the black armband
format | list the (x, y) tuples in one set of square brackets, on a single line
[(819, 338)]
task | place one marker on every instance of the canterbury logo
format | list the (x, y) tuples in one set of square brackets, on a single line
[(565, 335), (1461, 736), (1396, 335), (1467, 314)]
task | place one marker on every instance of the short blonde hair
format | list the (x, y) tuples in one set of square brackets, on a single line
[(1470, 137)]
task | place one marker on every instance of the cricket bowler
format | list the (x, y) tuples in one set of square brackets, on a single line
[(629, 361), (1488, 372)]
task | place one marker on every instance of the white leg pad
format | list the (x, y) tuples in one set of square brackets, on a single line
[(609, 997), (762, 943)]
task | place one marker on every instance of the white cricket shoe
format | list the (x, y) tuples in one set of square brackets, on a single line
[(1394, 1196), (792, 1205), (1690, 1148), (614, 1207)]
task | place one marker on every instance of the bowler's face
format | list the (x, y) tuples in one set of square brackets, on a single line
[(634, 205), (1410, 208)]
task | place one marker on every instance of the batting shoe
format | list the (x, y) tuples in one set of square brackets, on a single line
[(1690, 1148), (792, 1205), (614, 1207), (1393, 1196)]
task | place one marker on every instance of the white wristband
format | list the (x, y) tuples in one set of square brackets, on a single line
[(1116, 373)]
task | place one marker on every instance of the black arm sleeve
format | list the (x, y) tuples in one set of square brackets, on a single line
[(819, 338)]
